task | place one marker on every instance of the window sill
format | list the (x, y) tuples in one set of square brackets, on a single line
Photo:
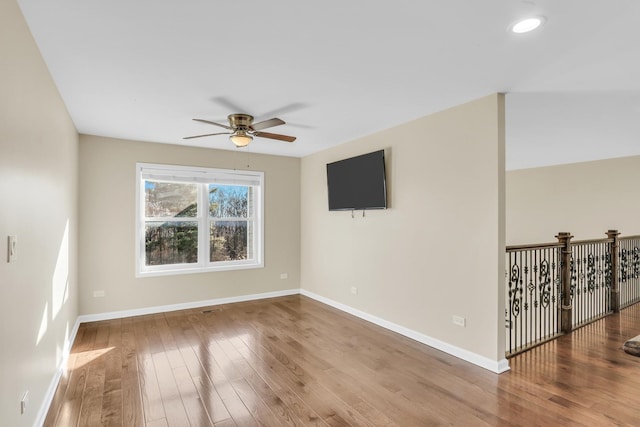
[(196, 270)]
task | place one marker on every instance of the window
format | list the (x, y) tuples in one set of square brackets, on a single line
[(192, 219)]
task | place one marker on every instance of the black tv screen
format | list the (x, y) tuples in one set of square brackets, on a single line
[(357, 183)]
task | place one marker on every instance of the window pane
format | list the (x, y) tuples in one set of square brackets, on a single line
[(228, 240), (170, 199), (228, 201), (173, 219), (171, 242)]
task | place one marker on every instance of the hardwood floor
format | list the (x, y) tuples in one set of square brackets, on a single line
[(294, 361)]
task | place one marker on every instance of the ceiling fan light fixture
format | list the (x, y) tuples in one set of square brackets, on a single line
[(529, 24), (241, 139)]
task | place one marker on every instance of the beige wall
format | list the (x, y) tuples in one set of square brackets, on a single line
[(438, 250), (585, 199), (107, 227), (38, 178)]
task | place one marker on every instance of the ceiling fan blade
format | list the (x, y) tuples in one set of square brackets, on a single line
[(267, 124), (213, 123), (275, 136), (208, 134), (285, 109), (229, 105)]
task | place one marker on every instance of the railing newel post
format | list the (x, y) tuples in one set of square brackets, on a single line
[(565, 283), (614, 248)]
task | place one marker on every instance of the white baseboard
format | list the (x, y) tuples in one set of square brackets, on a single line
[(183, 306), (53, 385), (497, 367)]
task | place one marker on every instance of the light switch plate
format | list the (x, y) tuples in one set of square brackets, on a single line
[(23, 402), (12, 248)]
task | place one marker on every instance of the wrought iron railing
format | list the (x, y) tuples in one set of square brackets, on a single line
[(554, 288), (590, 280), (532, 312), (629, 270)]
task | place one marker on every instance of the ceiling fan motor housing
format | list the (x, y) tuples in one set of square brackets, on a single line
[(240, 121)]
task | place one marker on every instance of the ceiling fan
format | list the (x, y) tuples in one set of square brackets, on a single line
[(243, 129)]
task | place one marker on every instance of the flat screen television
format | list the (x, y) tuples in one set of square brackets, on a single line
[(357, 183)]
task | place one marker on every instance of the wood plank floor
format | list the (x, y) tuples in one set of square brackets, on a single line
[(293, 361)]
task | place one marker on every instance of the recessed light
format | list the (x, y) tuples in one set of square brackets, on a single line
[(529, 24)]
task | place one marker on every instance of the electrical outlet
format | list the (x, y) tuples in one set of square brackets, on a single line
[(99, 294), (459, 321), (354, 290), (284, 276)]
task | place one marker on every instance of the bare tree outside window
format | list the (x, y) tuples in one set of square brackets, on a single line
[(228, 230), (194, 219), (171, 242)]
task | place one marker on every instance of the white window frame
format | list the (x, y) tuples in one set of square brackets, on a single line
[(203, 176)]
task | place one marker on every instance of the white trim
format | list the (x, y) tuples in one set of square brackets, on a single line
[(201, 176), (497, 367), (183, 306), (188, 269), (53, 385)]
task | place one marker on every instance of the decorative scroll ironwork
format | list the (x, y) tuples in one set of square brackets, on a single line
[(545, 284), (533, 311), (629, 264), (574, 279), (532, 297), (591, 273), (629, 271), (591, 281), (624, 267), (515, 291), (608, 277)]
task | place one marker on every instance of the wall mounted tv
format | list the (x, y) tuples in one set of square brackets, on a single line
[(357, 183)]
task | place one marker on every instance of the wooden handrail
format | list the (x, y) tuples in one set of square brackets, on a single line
[(533, 246), (629, 237), (591, 241)]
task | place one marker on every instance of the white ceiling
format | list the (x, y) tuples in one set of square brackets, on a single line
[(339, 70)]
